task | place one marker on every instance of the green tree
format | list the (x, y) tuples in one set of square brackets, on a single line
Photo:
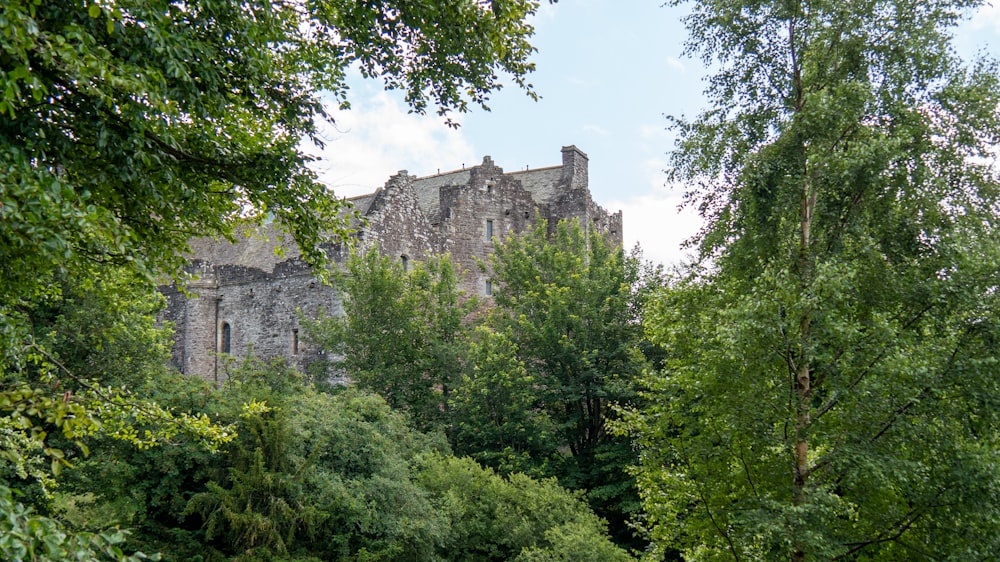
[(401, 334), (130, 126), (830, 388), (146, 490), (571, 303), (341, 476), (322, 476), (95, 345), (103, 333), (498, 414), (100, 328), (494, 518), (311, 476), (25, 535)]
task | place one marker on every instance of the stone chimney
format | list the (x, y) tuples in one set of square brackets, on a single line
[(574, 167)]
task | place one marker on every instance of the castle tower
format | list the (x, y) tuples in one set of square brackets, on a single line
[(574, 167), (201, 330)]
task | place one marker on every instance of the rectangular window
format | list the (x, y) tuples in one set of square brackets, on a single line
[(489, 230), (489, 288), (295, 342), (226, 339)]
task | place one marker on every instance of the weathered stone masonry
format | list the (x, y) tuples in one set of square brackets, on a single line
[(247, 299)]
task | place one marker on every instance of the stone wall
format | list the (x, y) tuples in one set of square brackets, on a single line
[(491, 206), (248, 298)]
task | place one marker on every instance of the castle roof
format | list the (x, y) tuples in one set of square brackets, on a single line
[(257, 245), (542, 183), (428, 190), (255, 248)]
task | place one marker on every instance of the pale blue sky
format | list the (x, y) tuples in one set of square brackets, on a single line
[(608, 71)]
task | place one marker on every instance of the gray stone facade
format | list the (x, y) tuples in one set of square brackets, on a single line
[(247, 298)]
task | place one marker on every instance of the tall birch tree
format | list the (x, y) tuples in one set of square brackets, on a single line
[(830, 391)]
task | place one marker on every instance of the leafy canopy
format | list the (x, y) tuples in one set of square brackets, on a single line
[(567, 346), (527, 385), (333, 476), (402, 334), (829, 385)]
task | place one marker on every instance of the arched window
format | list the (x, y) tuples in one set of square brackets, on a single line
[(226, 338), (405, 261)]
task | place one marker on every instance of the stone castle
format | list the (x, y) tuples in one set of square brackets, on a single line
[(247, 298)]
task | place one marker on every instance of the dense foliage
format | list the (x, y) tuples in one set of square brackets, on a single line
[(401, 333), (830, 388), (524, 384), (327, 476), (571, 303), (25, 535), (94, 344)]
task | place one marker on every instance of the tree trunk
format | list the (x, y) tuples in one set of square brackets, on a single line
[(802, 383), (803, 377)]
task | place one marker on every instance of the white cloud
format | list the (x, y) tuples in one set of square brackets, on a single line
[(596, 129), (675, 63), (658, 135), (377, 137), (654, 220)]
